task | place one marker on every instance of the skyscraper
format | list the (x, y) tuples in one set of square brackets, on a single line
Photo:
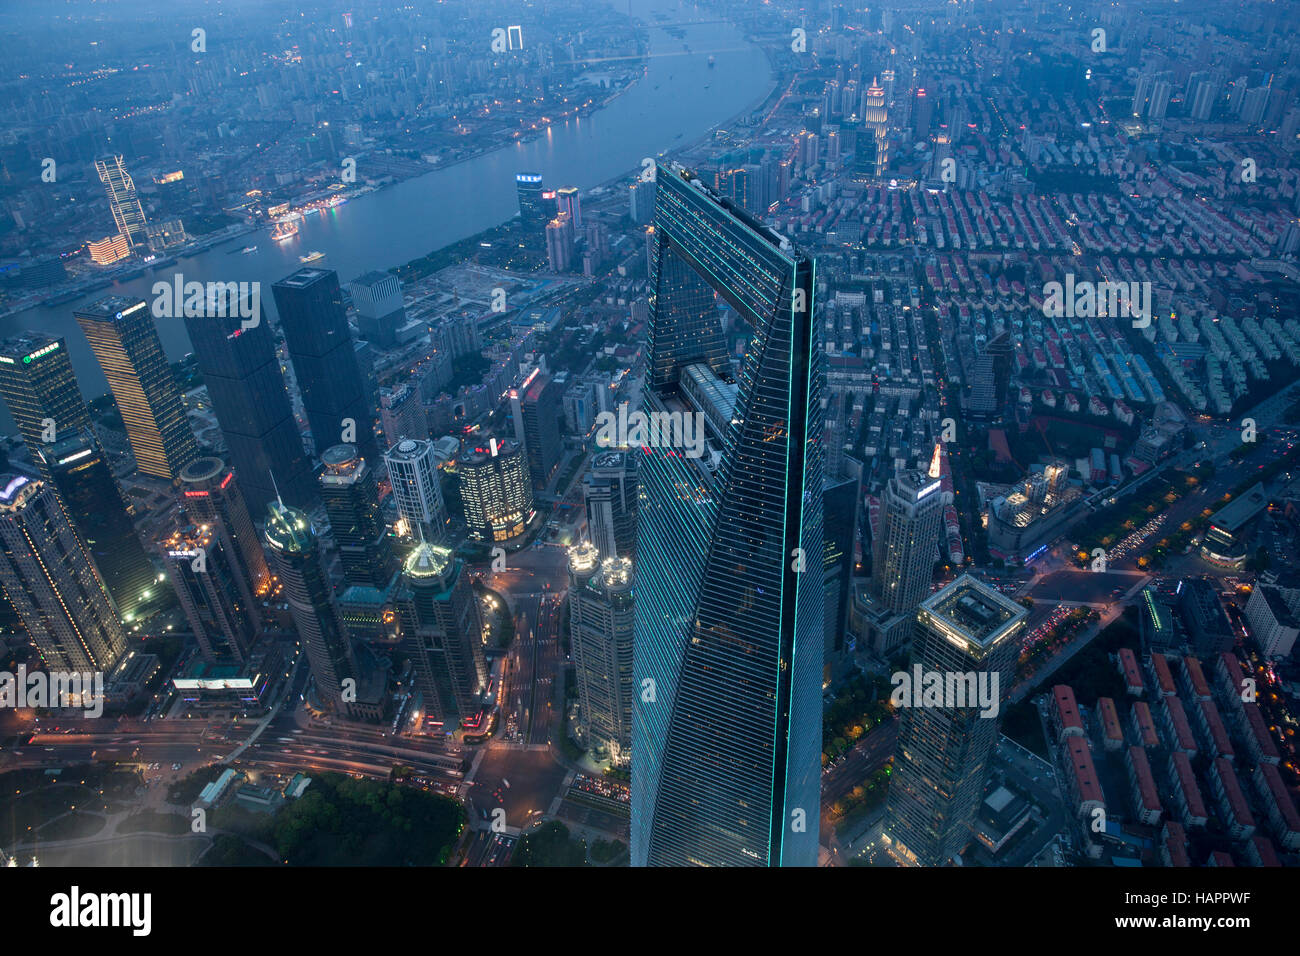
[(559, 243), (51, 582), (40, 390), (413, 472), (537, 408), (728, 659), (907, 546), (609, 493), (126, 345), (532, 208), (211, 496), (496, 494), (216, 598), (567, 201), (128, 214), (965, 633), (381, 310), (601, 612), (320, 346), (295, 556), (444, 632), (84, 483), (351, 498), (249, 397)]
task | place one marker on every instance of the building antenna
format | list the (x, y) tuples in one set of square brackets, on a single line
[(277, 489)]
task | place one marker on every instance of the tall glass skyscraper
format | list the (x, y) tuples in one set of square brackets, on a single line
[(965, 632), (248, 394), (126, 345), (351, 498), (324, 358), (52, 583), (728, 661), (40, 389), (81, 477)]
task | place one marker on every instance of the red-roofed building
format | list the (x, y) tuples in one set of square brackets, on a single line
[(1231, 800), (1214, 735), (1229, 676), (1066, 721), (1178, 731), (1186, 793), (1162, 676), (1253, 729), (1259, 851), (1175, 850), (1219, 858), (1283, 820), (1082, 776), (1194, 679), (1142, 785), (1144, 727), (1129, 670), (1112, 734)]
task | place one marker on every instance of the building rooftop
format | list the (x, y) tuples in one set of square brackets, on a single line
[(970, 612)]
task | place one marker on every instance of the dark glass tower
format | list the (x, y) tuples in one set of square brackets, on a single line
[(246, 387), (351, 499), (966, 628), (324, 359), (532, 208), (126, 345), (295, 555), (91, 496), (210, 496), (609, 493), (726, 750), (52, 583), (206, 574), (40, 389), (444, 632)]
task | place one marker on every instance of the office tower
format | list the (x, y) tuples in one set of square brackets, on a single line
[(324, 360), (875, 121), (641, 202), (601, 615), (249, 397), (922, 109), (51, 582), (537, 408), (965, 632), (413, 472), (559, 243), (609, 493), (532, 208), (1253, 105), (351, 497), (1142, 93), (1159, 104), (567, 201), (443, 628), (381, 310), (216, 597), (296, 560), (907, 545), (841, 499), (128, 214), (727, 757), (126, 345), (402, 414), (495, 491), (40, 390), (211, 495), (80, 476)]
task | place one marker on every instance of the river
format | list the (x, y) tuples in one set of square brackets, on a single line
[(679, 99)]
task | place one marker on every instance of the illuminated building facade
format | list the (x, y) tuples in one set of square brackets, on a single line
[(52, 583), (217, 600), (125, 341), (413, 471), (122, 200), (351, 498), (907, 545), (726, 749), (443, 628), (40, 390), (601, 619), (495, 491), (211, 496)]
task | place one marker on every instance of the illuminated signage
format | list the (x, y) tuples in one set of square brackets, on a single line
[(929, 489), (77, 457), (528, 178), (27, 359)]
